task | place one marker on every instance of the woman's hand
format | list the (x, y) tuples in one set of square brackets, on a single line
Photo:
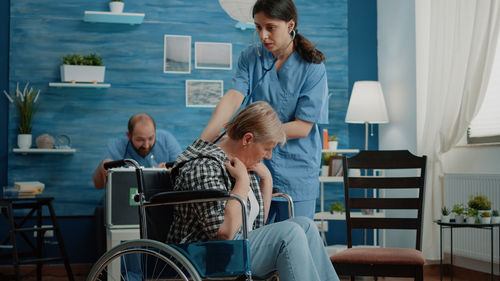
[(236, 168), (262, 171), (266, 185)]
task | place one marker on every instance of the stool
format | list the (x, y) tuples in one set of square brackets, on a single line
[(8, 205)]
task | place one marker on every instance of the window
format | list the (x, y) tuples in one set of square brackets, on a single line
[(485, 127)]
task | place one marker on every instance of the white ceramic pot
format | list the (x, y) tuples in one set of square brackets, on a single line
[(459, 219), (82, 73), (486, 220), (445, 219), (24, 141), (471, 220), (116, 7), (333, 145), (495, 219), (324, 170)]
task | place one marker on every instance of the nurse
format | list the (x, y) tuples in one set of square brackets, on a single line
[(287, 71)]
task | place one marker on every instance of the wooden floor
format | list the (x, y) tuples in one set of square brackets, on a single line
[(58, 273)]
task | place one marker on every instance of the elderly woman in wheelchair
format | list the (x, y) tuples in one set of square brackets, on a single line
[(215, 228), (292, 248)]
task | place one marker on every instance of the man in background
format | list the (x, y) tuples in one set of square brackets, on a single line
[(143, 143)]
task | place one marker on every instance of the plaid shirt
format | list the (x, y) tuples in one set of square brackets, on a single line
[(201, 167)]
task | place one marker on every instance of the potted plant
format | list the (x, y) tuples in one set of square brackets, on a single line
[(485, 217), (337, 206), (471, 215), (27, 105), (333, 143), (459, 209), (116, 6), (325, 161), (78, 68), (445, 214), (480, 202), (495, 216)]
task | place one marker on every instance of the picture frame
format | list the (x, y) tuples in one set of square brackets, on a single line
[(203, 93), (335, 166), (212, 55), (177, 54)]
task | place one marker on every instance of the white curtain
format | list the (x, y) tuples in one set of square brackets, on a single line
[(455, 45)]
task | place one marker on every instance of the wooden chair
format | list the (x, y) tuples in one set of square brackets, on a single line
[(376, 261)]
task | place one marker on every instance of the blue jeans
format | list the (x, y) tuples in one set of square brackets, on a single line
[(279, 210), (293, 248)]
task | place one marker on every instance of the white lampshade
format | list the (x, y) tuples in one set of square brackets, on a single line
[(240, 10), (367, 104)]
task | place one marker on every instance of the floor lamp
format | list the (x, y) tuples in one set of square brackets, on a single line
[(367, 106)]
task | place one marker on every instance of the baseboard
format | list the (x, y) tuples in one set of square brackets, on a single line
[(55, 271)]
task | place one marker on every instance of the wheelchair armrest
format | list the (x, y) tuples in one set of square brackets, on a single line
[(173, 197), (278, 193)]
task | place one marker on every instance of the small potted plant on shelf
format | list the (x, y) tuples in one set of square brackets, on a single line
[(338, 207), (116, 6), (480, 202), (485, 217), (459, 209), (495, 216), (325, 161), (471, 215), (445, 214), (26, 101), (78, 68), (333, 142)]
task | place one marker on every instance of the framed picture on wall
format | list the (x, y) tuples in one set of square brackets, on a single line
[(210, 55), (177, 54), (203, 93)]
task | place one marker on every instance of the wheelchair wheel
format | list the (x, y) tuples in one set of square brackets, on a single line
[(143, 260)]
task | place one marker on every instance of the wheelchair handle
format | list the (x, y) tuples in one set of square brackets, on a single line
[(120, 163)]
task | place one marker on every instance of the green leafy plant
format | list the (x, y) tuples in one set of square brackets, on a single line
[(77, 59), (471, 212), (485, 214), (479, 202), (445, 211), (116, 0), (325, 157), (26, 101), (495, 213), (337, 207), (458, 209), (333, 138)]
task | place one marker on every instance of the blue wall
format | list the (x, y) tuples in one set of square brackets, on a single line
[(41, 34)]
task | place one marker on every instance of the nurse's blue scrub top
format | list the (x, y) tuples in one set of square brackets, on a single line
[(298, 90)]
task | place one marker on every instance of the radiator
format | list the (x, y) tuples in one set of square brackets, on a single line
[(470, 242)]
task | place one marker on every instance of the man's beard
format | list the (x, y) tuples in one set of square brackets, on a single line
[(143, 151)]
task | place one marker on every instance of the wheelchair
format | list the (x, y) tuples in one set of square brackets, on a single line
[(149, 258)]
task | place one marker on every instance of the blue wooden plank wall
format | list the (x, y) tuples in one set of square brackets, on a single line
[(41, 32)]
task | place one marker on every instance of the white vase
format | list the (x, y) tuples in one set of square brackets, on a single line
[(82, 73), (471, 220), (459, 219), (324, 170), (486, 220), (333, 145), (445, 219), (24, 141), (116, 7), (495, 219)]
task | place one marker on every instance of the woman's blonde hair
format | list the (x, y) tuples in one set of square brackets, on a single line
[(260, 119)]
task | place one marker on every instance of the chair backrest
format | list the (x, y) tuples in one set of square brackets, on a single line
[(158, 218), (384, 160)]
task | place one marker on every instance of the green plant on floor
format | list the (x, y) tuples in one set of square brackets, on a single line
[(458, 209), (445, 211), (77, 59), (26, 101), (337, 207), (479, 202)]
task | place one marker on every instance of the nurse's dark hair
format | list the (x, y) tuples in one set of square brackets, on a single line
[(286, 10), (260, 119), (139, 117)]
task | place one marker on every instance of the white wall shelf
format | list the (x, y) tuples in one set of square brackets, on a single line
[(44, 150), (108, 17), (341, 151), (79, 85)]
